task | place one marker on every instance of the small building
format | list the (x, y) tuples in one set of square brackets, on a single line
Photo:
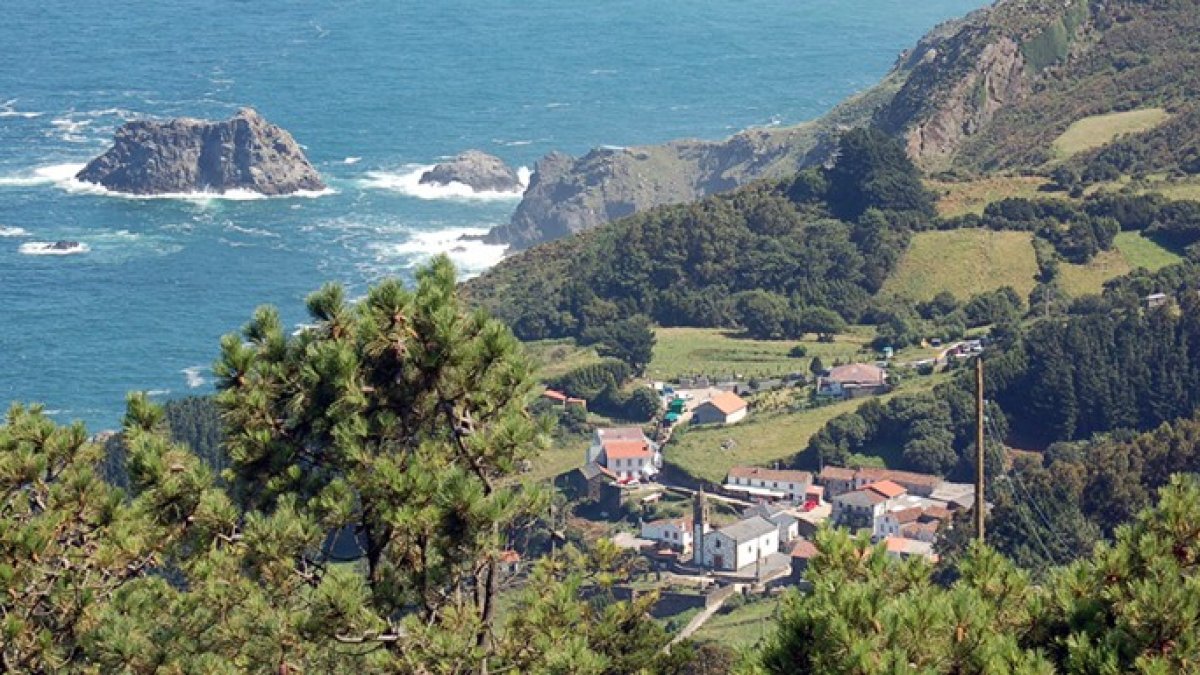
[(573, 402), (724, 407), (853, 381), (803, 551), (789, 526), (591, 483), (509, 562), (904, 548), (741, 544), (769, 483), (626, 452), (629, 460), (838, 480), (859, 508), (674, 532), (1155, 300), (891, 523), (556, 397)]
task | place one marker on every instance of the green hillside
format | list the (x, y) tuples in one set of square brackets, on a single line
[(1096, 131), (964, 262)]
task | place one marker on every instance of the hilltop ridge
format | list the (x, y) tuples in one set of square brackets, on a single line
[(985, 93)]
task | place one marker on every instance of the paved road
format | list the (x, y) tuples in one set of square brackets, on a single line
[(698, 621)]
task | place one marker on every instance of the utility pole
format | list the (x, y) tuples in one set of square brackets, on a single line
[(979, 453)]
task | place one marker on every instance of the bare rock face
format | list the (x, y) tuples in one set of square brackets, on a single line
[(996, 77), (477, 170), (569, 194), (244, 152)]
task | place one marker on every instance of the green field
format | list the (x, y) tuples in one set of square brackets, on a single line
[(1140, 251), (1098, 130), (964, 262), (552, 358), (1131, 250), (741, 627), (713, 351), (764, 437)]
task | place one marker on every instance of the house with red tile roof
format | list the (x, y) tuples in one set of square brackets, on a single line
[(853, 381), (626, 452), (724, 407)]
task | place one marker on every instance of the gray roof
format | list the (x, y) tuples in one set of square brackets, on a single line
[(862, 498), (750, 528), (784, 519)]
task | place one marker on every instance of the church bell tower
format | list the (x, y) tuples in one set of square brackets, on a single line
[(699, 527)]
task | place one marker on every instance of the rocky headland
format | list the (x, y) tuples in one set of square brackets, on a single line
[(477, 170), (184, 155)]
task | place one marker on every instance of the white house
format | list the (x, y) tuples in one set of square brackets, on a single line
[(735, 546), (674, 532), (852, 381), (626, 452), (772, 483), (724, 407), (891, 523)]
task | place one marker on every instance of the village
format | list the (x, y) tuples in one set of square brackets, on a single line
[(751, 534)]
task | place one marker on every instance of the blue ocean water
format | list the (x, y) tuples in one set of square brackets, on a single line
[(374, 89)]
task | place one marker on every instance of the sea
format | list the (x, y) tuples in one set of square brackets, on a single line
[(376, 91)]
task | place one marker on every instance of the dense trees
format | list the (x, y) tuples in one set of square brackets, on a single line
[(762, 257), (630, 340), (371, 459), (1132, 606)]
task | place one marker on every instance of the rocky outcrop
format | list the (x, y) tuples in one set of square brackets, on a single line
[(182, 155), (942, 98), (569, 194), (958, 82), (477, 170)]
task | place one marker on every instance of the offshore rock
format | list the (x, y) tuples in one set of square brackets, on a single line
[(477, 170), (185, 155)]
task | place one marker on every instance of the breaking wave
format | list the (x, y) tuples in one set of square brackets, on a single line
[(408, 182), (62, 176)]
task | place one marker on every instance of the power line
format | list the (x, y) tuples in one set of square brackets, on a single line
[(1022, 505)]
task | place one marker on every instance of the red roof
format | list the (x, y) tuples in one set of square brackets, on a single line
[(554, 395), (836, 473), (858, 373), (908, 477), (760, 473), (510, 556), (907, 515), (937, 512), (886, 488), (627, 450), (727, 402), (804, 549)]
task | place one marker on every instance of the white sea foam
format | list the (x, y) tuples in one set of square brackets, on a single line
[(51, 248), (7, 110), (192, 374), (10, 231), (252, 231), (408, 182), (62, 176), (471, 256), (158, 392), (352, 160)]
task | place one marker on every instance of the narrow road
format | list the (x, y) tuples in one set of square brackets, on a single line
[(698, 621)]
